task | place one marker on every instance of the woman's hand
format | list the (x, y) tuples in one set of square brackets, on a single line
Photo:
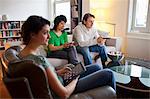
[(64, 70), (66, 45), (73, 44)]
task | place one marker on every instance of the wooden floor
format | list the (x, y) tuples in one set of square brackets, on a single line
[(3, 91)]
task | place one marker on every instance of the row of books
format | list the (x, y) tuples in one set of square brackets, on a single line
[(4, 41), (9, 33), (74, 2), (10, 25)]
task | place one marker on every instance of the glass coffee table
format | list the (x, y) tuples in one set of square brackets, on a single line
[(133, 78)]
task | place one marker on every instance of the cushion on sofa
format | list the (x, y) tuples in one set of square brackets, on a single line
[(105, 92), (57, 62)]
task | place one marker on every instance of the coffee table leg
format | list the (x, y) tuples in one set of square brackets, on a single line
[(113, 63)]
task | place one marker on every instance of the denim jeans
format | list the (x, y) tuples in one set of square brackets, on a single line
[(85, 51), (67, 53), (95, 77)]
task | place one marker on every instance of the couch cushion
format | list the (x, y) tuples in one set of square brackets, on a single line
[(105, 92), (57, 62)]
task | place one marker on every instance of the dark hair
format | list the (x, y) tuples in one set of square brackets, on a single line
[(58, 19), (32, 25), (86, 16)]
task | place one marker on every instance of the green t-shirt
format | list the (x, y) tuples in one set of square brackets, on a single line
[(57, 40)]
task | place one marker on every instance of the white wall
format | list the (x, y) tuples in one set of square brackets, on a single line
[(85, 6), (138, 48), (134, 46), (51, 10), (21, 9)]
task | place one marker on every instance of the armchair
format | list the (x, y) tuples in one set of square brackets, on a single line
[(26, 79)]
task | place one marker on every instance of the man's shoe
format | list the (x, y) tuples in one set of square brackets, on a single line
[(96, 57), (104, 65)]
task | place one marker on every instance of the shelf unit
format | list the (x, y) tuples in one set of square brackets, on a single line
[(10, 33), (76, 12)]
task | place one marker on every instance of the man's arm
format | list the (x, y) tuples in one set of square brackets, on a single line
[(78, 35)]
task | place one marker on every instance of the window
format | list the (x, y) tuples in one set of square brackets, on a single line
[(139, 16), (62, 7)]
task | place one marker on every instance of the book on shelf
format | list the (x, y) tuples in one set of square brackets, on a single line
[(74, 2), (10, 32), (74, 12), (10, 25)]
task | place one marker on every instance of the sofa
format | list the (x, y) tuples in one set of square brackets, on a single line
[(112, 44), (25, 79)]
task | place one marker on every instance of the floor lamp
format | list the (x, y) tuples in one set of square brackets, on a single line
[(105, 26), (114, 27)]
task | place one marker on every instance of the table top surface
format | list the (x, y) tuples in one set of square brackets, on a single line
[(132, 71)]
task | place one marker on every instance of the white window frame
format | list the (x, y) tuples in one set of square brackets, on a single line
[(68, 24), (131, 26)]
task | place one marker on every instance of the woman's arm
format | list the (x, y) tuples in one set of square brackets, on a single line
[(55, 48), (57, 87)]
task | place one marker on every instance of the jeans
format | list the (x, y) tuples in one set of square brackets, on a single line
[(85, 51), (95, 77), (67, 53)]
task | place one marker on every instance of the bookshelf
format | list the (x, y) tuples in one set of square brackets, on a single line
[(10, 33), (76, 12)]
